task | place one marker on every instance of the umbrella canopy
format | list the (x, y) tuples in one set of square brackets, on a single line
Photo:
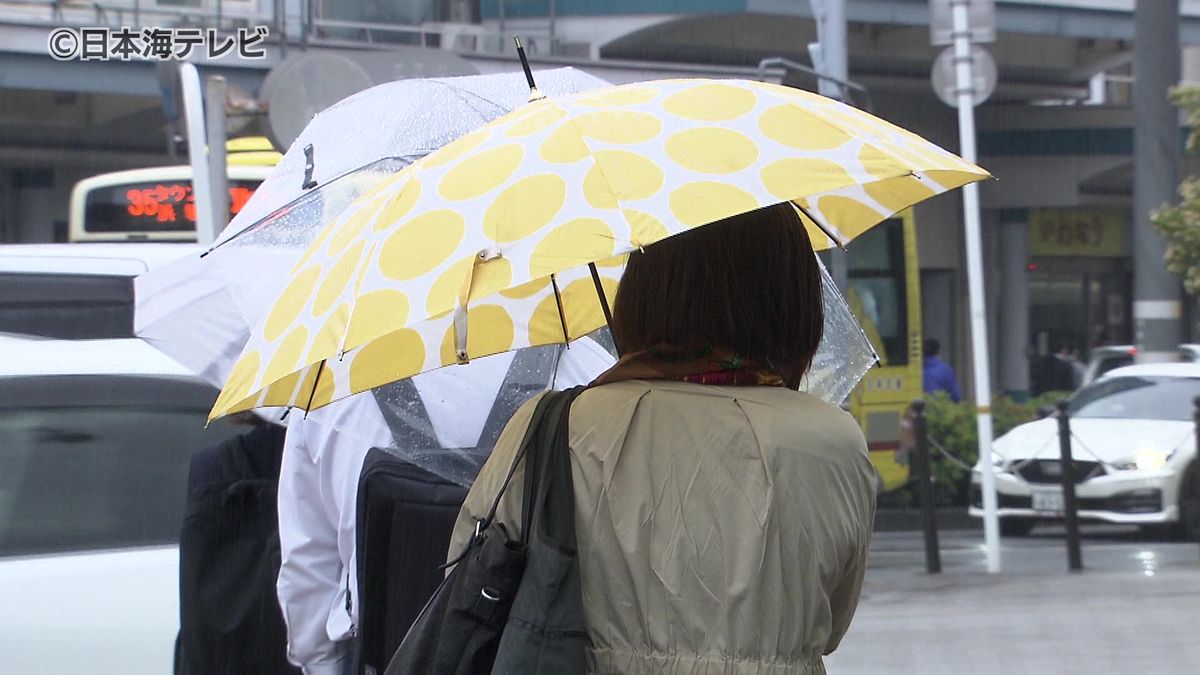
[(484, 245), (201, 310)]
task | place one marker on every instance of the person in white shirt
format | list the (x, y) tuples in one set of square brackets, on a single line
[(318, 491)]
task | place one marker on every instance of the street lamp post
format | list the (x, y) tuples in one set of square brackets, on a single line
[(967, 95)]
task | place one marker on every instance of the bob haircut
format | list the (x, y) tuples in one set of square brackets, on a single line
[(749, 283)]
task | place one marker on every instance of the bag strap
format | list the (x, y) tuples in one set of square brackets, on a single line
[(550, 414), (514, 392), (484, 523), (535, 422), (549, 451)]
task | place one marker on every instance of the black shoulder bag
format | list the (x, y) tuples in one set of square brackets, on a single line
[(512, 606)]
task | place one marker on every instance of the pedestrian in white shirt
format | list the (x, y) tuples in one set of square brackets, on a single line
[(318, 492)]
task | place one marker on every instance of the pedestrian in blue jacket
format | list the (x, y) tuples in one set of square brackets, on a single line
[(939, 376)]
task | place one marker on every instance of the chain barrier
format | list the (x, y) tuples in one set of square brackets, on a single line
[(1016, 466), (953, 460)]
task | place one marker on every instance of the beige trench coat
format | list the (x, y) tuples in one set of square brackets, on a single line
[(720, 529)]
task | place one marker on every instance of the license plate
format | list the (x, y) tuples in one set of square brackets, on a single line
[(1048, 500)]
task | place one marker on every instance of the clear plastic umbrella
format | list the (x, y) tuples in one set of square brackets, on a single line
[(405, 120), (200, 310)]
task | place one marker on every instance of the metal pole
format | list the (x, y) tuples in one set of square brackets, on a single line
[(1193, 475), (214, 116), (193, 109), (1070, 504), (1157, 148), (831, 35), (281, 23), (500, 11), (305, 22), (933, 557), (553, 23), (834, 66), (979, 341)]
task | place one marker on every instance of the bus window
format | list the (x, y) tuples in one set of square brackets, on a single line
[(877, 290)]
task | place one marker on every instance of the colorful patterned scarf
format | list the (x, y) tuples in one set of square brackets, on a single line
[(711, 365)]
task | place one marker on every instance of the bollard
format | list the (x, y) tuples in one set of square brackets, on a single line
[(933, 557), (1195, 479), (1070, 504)]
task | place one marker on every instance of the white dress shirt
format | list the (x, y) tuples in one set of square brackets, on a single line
[(318, 491)]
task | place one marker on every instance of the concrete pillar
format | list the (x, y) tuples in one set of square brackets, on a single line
[(1014, 303), (990, 239), (1191, 66), (1158, 151), (33, 206)]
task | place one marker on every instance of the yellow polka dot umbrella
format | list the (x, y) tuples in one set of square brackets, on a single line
[(484, 246)]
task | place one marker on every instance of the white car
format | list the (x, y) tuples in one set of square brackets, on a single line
[(76, 291), (1108, 357), (97, 440), (1134, 455)]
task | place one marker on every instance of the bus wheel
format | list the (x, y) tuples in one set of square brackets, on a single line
[(1016, 527)]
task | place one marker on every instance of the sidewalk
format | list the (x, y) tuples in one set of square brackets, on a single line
[(1134, 609)]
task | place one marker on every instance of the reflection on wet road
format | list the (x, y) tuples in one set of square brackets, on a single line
[(1134, 608)]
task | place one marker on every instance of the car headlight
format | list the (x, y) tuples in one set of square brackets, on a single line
[(1145, 459)]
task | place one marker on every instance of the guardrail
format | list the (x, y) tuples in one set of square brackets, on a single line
[(303, 27), (116, 14)]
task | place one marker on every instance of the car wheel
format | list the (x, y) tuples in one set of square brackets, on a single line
[(1016, 527), (1189, 504)]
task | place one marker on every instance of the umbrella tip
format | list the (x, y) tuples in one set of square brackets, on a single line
[(534, 94)]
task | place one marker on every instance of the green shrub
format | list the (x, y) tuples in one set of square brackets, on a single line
[(1180, 225)]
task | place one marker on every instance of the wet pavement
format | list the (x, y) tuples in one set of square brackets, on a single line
[(1135, 608)]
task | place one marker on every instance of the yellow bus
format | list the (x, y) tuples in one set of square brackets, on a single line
[(157, 204), (884, 292)]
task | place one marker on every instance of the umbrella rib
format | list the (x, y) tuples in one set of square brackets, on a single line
[(600, 293), (562, 317), (407, 159), (362, 273), (832, 237), (313, 394)]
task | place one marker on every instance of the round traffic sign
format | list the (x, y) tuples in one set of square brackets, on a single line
[(983, 76)]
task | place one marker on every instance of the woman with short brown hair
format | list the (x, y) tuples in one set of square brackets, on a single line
[(722, 517)]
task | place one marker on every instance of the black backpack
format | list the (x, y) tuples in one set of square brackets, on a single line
[(405, 518), (512, 606), (406, 513), (229, 558)]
